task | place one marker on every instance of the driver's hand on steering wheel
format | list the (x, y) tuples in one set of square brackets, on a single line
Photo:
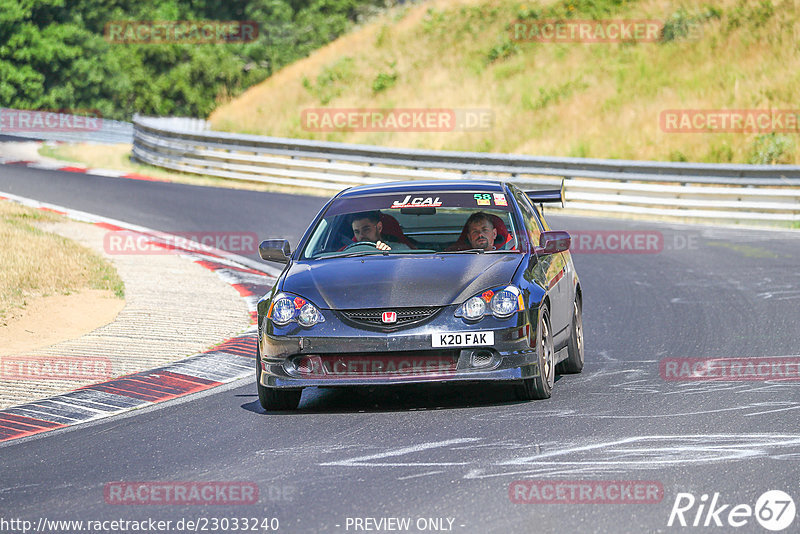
[(380, 245)]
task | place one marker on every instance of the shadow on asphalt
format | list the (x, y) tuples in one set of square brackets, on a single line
[(408, 397)]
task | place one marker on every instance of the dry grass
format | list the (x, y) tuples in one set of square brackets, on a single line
[(118, 157), (35, 263), (587, 100)]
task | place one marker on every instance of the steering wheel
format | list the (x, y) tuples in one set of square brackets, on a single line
[(351, 245)]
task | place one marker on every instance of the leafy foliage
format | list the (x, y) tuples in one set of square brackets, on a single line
[(772, 148), (684, 25), (502, 50), (331, 80), (54, 55), (385, 80)]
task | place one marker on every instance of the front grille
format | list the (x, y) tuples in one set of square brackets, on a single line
[(372, 318)]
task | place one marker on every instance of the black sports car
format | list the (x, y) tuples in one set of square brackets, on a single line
[(421, 281)]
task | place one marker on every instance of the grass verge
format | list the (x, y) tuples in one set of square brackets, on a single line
[(36, 263)]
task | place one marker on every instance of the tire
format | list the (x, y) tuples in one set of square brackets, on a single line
[(540, 387), (272, 399), (574, 363)]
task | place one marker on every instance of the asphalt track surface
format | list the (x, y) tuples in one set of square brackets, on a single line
[(453, 452)]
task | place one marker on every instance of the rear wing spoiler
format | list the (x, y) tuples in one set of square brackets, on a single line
[(547, 195)]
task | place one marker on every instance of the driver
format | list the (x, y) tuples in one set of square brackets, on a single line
[(367, 226), (481, 231)]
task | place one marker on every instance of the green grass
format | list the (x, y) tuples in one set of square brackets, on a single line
[(597, 100)]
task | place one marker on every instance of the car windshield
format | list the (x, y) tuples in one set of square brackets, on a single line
[(417, 223)]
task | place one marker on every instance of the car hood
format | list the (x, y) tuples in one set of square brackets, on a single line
[(398, 280)]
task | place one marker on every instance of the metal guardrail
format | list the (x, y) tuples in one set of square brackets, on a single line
[(707, 191)]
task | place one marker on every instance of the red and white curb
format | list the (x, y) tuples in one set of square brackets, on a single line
[(85, 170), (229, 361)]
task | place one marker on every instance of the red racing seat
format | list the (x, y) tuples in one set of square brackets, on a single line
[(392, 228)]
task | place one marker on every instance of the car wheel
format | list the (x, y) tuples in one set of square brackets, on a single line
[(275, 399), (540, 387), (574, 362)]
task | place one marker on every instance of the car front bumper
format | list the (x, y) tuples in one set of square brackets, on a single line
[(340, 355)]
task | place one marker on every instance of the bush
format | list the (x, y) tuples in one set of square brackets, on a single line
[(331, 79), (506, 48), (677, 155), (384, 80), (682, 25), (772, 148), (53, 54)]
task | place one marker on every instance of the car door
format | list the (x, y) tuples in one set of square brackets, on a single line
[(566, 289), (552, 266)]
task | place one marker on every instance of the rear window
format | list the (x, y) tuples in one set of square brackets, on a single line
[(419, 223)]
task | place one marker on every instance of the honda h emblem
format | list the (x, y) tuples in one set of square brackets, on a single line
[(389, 317)]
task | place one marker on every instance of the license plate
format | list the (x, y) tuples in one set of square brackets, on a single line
[(462, 339)]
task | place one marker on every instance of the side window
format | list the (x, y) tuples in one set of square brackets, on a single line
[(528, 215), (317, 241), (541, 218)]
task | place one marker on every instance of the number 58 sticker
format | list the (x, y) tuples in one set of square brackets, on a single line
[(483, 199)]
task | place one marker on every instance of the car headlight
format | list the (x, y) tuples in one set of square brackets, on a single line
[(309, 315), (287, 308), (502, 303), (505, 302), (282, 311), (473, 309)]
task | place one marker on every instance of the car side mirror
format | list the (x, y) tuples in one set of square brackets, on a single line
[(277, 250), (553, 241)]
